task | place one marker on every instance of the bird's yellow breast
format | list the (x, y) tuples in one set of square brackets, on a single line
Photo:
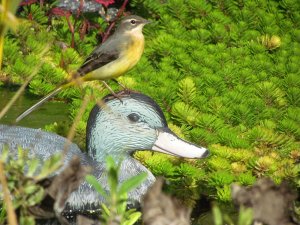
[(131, 51)]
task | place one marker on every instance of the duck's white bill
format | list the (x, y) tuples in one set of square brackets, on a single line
[(169, 143)]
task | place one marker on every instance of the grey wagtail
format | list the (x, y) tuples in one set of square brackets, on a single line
[(118, 54)]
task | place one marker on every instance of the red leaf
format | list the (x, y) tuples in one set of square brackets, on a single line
[(60, 12), (105, 2), (27, 2)]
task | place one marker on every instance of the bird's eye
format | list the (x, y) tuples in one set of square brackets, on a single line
[(132, 22), (133, 117)]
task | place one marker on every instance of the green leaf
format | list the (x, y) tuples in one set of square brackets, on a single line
[(132, 218), (110, 163), (22, 154), (112, 169), (94, 182), (10, 20), (2, 214), (132, 183), (228, 220), (105, 209), (187, 90), (27, 220), (122, 203), (30, 188), (217, 215), (50, 166), (245, 216), (32, 167), (36, 197), (4, 153)]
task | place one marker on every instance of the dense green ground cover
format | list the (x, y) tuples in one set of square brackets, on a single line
[(226, 73)]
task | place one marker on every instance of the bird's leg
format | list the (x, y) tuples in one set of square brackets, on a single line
[(111, 90), (119, 83), (108, 87), (126, 90)]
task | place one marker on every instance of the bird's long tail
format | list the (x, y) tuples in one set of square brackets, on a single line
[(43, 100)]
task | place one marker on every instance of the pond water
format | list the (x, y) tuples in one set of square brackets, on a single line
[(50, 112)]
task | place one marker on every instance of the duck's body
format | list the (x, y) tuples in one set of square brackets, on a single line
[(116, 129)]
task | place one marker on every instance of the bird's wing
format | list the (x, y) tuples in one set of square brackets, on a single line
[(102, 55)]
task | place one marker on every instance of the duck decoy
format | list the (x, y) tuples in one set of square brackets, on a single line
[(116, 128)]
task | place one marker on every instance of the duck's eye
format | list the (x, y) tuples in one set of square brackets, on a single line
[(133, 117), (132, 22)]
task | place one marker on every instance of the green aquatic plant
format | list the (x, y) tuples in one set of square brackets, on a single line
[(220, 178), (224, 193), (218, 163), (246, 178)]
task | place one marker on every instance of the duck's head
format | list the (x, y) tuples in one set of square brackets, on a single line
[(119, 128)]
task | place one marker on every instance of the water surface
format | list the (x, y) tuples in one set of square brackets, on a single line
[(50, 112)]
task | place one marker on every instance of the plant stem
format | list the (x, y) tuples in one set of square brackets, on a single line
[(12, 219), (121, 10), (2, 28)]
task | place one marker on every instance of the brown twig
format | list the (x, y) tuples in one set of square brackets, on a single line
[(71, 27), (120, 12)]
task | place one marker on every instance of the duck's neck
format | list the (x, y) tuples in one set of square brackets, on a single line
[(98, 153), (131, 167)]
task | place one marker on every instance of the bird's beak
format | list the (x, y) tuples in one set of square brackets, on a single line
[(169, 143), (146, 21)]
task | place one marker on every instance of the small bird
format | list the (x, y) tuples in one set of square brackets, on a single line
[(115, 128), (118, 54)]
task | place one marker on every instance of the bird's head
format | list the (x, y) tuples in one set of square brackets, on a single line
[(132, 23), (119, 128)]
